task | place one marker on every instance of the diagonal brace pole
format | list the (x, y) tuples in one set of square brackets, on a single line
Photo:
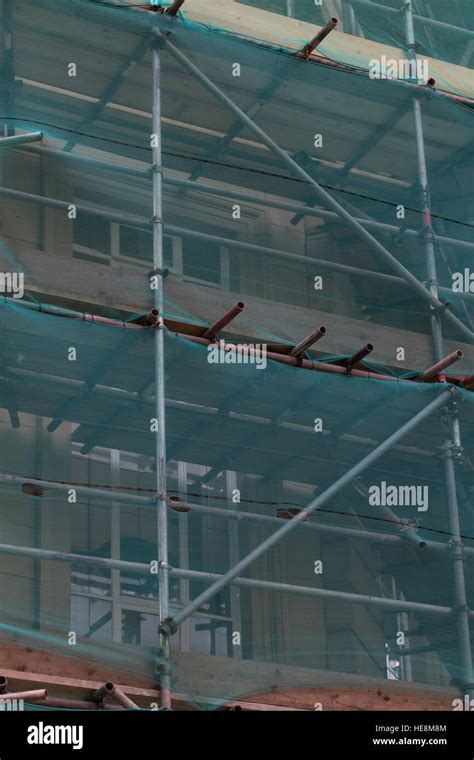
[(170, 626), (327, 199)]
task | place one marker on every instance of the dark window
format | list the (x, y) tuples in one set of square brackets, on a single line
[(201, 260), (138, 244), (92, 232)]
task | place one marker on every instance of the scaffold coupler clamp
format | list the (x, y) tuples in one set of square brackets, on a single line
[(159, 39), (398, 237), (456, 547), (160, 272), (426, 231), (444, 305), (453, 450), (408, 526), (168, 627)]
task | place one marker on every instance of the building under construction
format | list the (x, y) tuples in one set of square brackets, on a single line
[(236, 357)]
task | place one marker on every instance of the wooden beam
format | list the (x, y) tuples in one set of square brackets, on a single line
[(280, 30), (335, 691)]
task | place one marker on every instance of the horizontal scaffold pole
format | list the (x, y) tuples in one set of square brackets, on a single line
[(296, 208), (141, 222), (117, 496), (7, 142), (228, 192), (81, 491), (394, 605)]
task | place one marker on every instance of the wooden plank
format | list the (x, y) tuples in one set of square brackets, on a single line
[(281, 30), (210, 675), (336, 691)]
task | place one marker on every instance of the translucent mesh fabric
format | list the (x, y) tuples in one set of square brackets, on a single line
[(77, 398), (443, 31)]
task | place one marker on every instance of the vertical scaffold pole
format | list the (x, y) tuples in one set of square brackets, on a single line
[(428, 237), (453, 448), (157, 284), (8, 65)]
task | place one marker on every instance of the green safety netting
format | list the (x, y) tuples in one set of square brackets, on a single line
[(367, 161), (443, 31), (86, 422), (260, 425)]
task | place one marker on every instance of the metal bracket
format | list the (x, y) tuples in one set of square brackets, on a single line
[(398, 236), (445, 306), (407, 525), (161, 272), (168, 627), (160, 667), (456, 545)]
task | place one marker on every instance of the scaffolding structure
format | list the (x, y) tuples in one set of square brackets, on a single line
[(453, 390)]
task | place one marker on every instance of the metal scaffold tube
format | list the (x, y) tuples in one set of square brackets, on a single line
[(39, 487), (157, 285), (144, 223), (458, 558), (7, 142), (297, 208), (225, 192), (254, 583), (453, 447)]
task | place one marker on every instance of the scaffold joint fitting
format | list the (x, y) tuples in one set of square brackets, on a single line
[(168, 627)]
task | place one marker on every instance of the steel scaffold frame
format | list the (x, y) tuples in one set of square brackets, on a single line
[(320, 192), (168, 626), (430, 294)]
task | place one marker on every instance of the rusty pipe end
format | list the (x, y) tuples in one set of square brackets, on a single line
[(319, 37), (152, 317), (223, 321), (359, 355), (174, 7), (32, 489), (177, 505)]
